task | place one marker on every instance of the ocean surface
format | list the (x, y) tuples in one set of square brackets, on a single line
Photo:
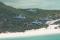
[(46, 37)]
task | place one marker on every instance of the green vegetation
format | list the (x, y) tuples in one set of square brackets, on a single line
[(11, 22)]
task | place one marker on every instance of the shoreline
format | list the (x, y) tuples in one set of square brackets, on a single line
[(29, 33)]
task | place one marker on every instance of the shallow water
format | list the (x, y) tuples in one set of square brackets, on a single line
[(46, 37)]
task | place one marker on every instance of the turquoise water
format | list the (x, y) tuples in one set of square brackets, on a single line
[(48, 37)]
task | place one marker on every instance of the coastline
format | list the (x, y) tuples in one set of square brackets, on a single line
[(52, 29), (29, 33)]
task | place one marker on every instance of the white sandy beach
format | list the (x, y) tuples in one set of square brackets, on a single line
[(29, 33)]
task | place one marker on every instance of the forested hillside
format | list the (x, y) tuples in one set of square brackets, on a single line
[(19, 20)]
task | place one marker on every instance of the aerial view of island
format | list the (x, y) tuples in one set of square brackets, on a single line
[(29, 19)]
